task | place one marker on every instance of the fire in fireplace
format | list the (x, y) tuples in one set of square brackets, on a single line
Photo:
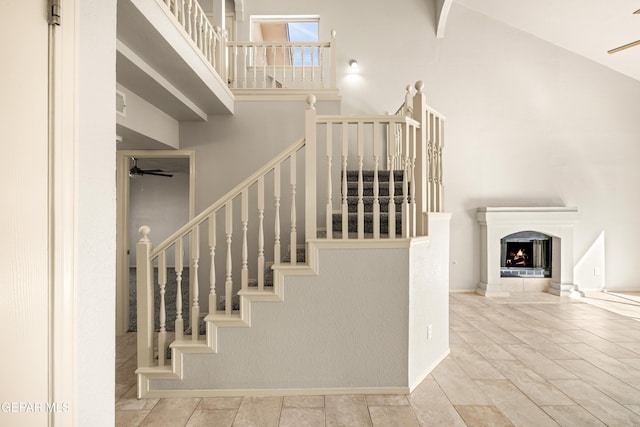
[(526, 254)]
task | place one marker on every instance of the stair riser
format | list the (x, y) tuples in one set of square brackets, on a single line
[(367, 176)]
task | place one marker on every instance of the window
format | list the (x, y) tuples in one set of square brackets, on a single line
[(298, 30)]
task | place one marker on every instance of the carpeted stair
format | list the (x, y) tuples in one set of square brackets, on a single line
[(368, 199)]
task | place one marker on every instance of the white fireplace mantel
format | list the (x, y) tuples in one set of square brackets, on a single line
[(498, 222)]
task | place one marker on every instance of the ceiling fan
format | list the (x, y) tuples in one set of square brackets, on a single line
[(135, 171), (628, 45)]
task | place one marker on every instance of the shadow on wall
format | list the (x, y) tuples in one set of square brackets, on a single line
[(589, 271)]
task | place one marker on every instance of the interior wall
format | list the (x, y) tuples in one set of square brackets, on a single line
[(528, 123), (162, 204), (96, 214)]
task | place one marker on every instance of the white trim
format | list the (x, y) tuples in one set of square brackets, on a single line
[(285, 95), (63, 147), (462, 291), (273, 392), (122, 233)]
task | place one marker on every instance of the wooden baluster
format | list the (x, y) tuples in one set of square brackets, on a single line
[(431, 157), (360, 130), (284, 66), (261, 233), (294, 233), (244, 54), (321, 65), (412, 182), (244, 272), (195, 309), (302, 52), (212, 269), (275, 75), (292, 56), (228, 284), (329, 210), (264, 66), (389, 137), (179, 267), (235, 66), (313, 71), (176, 12), (189, 26), (376, 182), (254, 56), (440, 186), (405, 181), (392, 193), (276, 196), (162, 281), (345, 187)]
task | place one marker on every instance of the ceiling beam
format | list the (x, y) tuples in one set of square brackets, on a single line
[(442, 14)]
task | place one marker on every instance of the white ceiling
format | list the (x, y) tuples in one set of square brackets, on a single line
[(587, 27)]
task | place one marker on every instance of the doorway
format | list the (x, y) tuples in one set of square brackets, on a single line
[(163, 199)]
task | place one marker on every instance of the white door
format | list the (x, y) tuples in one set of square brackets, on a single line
[(24, 306)]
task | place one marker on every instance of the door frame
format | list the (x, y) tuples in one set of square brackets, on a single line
[(122, 221)]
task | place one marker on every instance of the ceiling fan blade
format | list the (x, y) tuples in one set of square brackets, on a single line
[(623, 47), (637, 12), (151, 170), (156, 174)]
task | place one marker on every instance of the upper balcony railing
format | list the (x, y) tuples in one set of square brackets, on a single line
[(287, 66), (209, 40)]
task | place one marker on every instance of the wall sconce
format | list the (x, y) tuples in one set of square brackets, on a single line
[(353, 64)]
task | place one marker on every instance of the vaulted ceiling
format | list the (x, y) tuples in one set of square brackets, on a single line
[(587, 27)]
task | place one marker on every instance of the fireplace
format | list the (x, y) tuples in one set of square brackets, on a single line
[(526, 246), (526, 254)]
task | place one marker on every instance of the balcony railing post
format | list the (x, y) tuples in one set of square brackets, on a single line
[(310, 170), (421, 172), (333, 64), (144, 297)]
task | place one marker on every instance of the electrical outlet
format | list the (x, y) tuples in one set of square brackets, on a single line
[(596, 271), (429, 331)]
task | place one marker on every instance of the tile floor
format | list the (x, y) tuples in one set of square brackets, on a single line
[(527, 360)]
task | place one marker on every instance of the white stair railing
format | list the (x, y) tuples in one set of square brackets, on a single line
[(249, 195), (208, 40), (283, 66), (411, 141)]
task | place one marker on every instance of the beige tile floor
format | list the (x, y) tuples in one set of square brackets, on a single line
[(528, 360)]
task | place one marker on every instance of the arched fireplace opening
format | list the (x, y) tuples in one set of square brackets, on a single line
[(526, 254)]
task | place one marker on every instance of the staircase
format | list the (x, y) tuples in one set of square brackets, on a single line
[(379, 219), (369, 199)]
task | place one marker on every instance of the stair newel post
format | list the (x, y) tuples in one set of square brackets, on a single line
[(310, 178), (345, 187), (195, 309), (244, 272), (376, 181), (293, 239), (162, 282), (329, 210), (144, 291), (261, 233), (360, 140), (228, 284), (421, 169), (179, 264), (406, 134), (212, 269), (276, 196), (333, 65)]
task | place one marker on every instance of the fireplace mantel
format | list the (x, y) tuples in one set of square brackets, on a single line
[(498, 222)]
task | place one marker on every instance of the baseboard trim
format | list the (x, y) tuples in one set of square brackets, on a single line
[(428, 371), (462, 291), (274, 392)]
